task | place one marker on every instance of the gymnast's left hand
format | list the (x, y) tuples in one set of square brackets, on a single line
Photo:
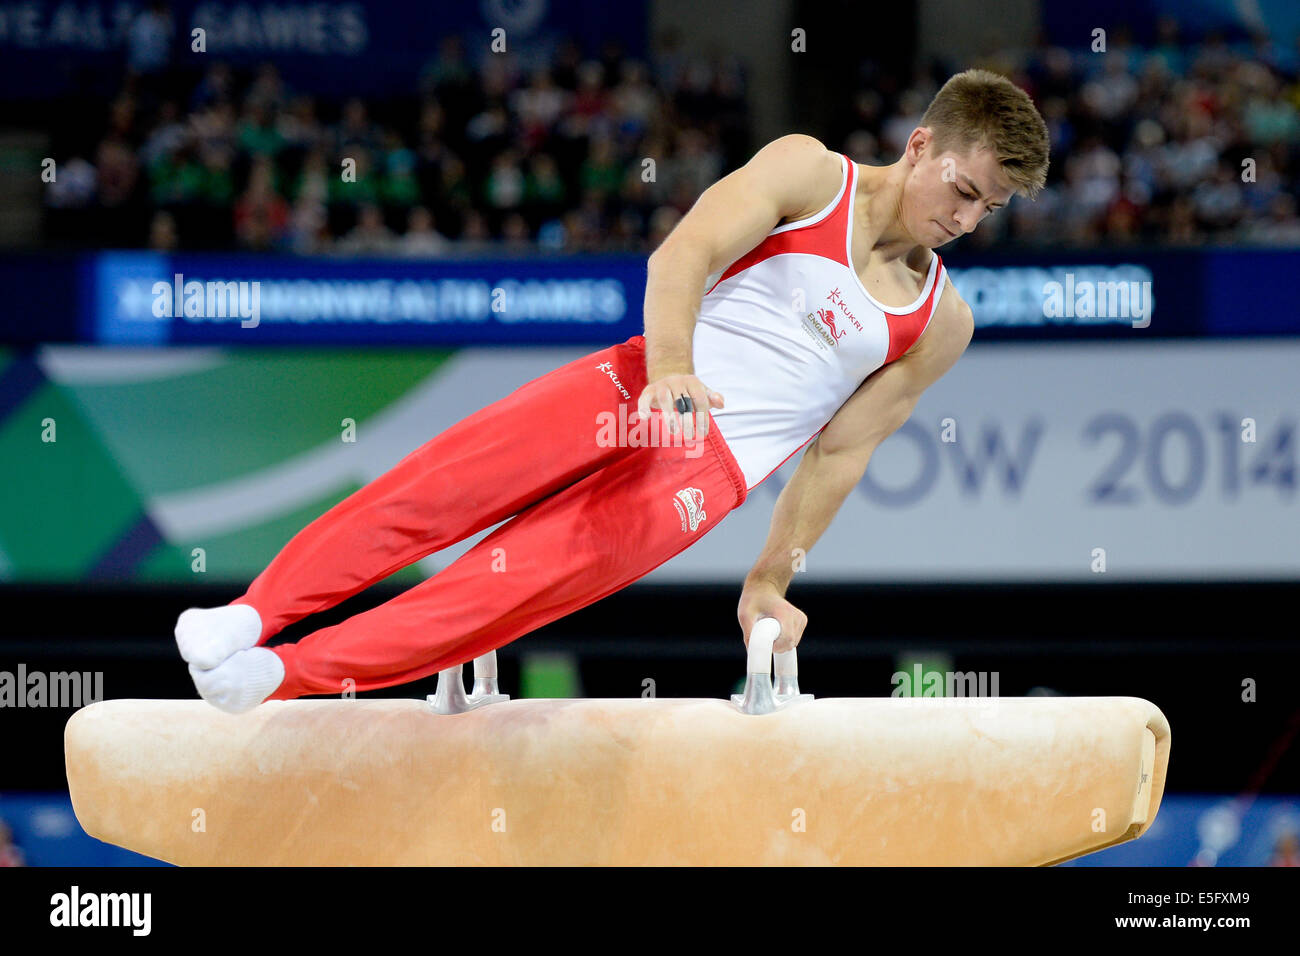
[(762, 598)]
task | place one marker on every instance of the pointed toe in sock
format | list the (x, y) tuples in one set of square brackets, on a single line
[(207, 636), (242, 681)]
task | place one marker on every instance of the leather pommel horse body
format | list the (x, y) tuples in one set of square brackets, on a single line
[(769, 777)]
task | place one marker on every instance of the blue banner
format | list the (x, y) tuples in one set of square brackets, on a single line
[(1191, 292), (115, 297), (144, 298)]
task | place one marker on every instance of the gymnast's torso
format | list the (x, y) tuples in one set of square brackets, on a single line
[(787, 333)]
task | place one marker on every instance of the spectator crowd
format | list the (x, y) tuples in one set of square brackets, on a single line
[(1180, 142), (583, 155), (1183, 142)]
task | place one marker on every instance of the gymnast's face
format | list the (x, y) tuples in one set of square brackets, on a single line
[(948, 194)]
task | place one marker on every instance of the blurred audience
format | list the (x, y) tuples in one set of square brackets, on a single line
[(490, 155), (1180, 143)]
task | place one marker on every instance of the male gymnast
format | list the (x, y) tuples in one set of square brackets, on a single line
[(802, 287)]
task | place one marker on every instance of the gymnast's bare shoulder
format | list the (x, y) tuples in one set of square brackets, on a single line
[(790, 178)]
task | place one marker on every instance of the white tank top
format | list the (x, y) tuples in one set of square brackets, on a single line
[(788, 332)]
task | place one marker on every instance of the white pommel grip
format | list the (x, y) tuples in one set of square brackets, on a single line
[(485, 666), (762, 637), (450, 696), (760, 696)]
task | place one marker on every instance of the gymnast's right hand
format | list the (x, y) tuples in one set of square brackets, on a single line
[(663, 393), (762, 598)]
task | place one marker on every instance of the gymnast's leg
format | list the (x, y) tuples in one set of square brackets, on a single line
[(540, 438), (564, 552)]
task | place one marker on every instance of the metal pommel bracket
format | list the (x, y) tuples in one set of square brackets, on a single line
[(450, 697), (760, 697)]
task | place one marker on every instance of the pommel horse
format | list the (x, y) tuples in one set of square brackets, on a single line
[(769, 777)]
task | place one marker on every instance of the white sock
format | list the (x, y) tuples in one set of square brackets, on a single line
[(207, 636), (241, 681)]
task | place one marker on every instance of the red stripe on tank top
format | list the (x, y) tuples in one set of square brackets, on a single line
[(906, 327), (824, 238)]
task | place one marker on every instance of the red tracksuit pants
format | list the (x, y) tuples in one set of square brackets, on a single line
[(592, 511)]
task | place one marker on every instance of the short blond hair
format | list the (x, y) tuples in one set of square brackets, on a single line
[(981, 108)]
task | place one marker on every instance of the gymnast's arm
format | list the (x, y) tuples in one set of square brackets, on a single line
[(837, 458), (791, 175)]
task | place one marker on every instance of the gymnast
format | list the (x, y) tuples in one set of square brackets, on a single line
[(798, 303)]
